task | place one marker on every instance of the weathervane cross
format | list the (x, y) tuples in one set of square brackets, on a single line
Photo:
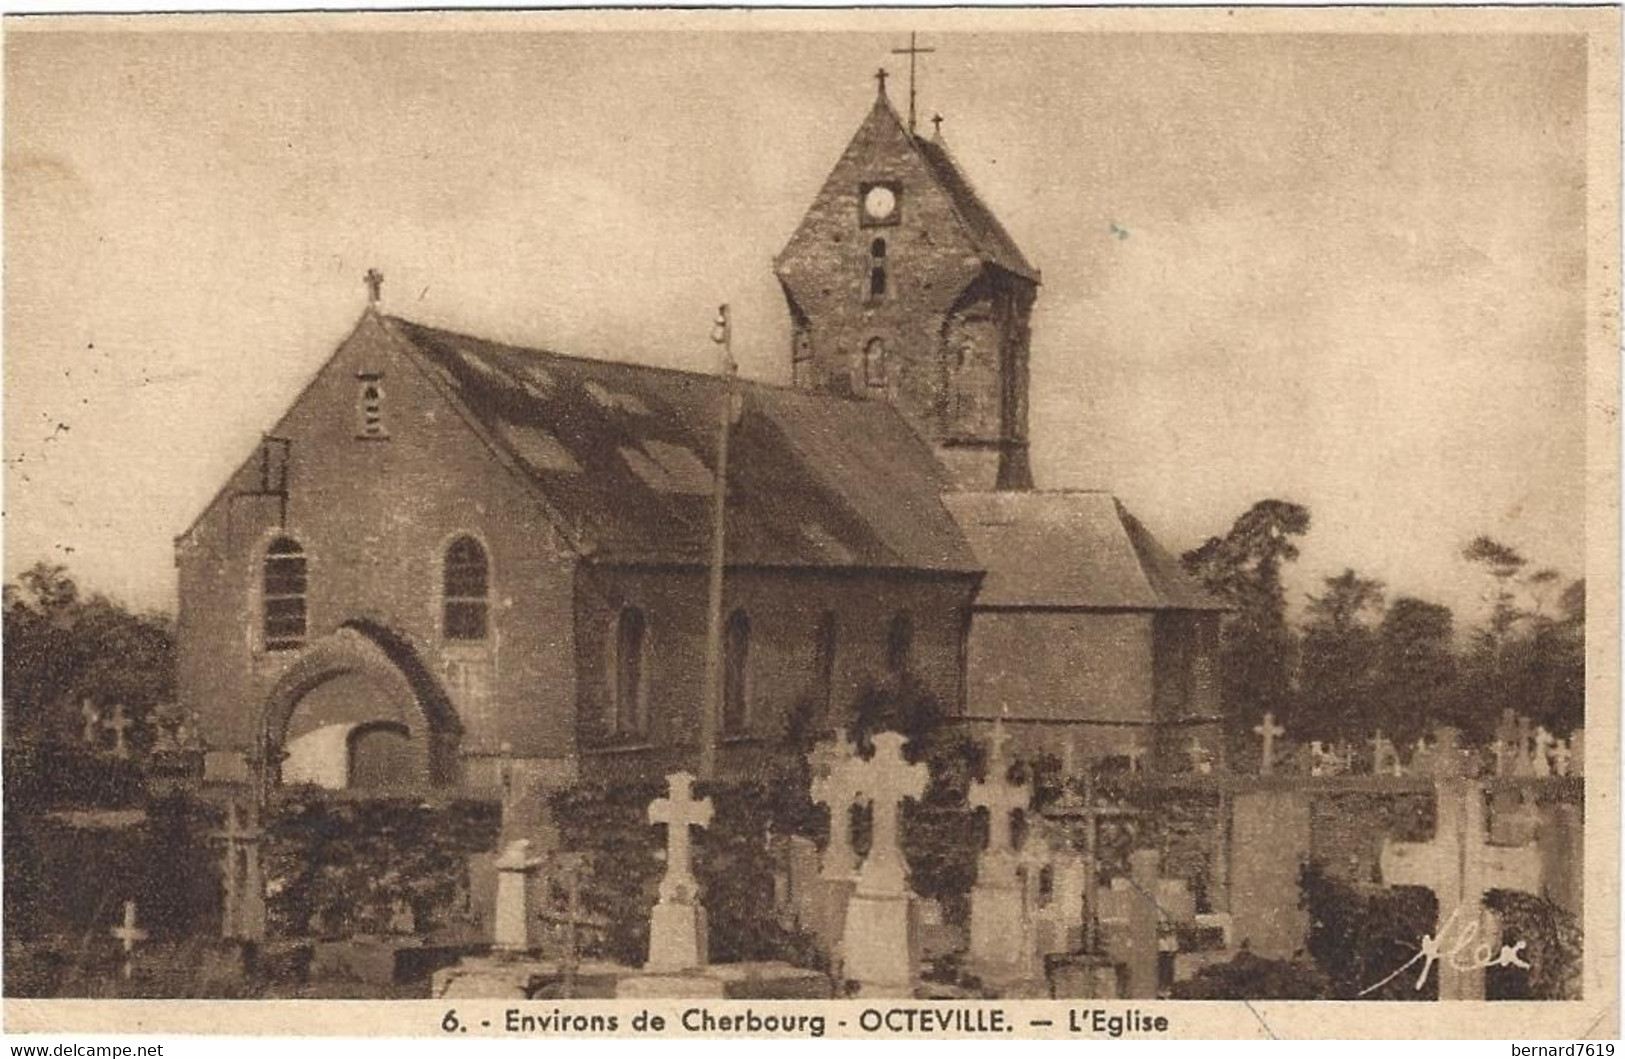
[(911, 51)]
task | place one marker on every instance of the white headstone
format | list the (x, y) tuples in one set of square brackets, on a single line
[(1269, 731), (677, 926), (879, 944)]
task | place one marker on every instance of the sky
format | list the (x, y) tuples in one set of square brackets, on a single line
[(1342, 269)]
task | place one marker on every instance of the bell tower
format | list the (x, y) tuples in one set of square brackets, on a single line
[(903, 286)]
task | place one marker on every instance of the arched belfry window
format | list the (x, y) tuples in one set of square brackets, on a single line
[(467, 587), (283, 598), (629, 693), (370, 406), (874, 362), (736, 674), (900, 643), (877, 269)]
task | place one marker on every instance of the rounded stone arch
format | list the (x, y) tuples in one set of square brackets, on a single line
[(372, 652)]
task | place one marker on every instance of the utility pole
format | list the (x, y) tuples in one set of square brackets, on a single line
[(710, 706)]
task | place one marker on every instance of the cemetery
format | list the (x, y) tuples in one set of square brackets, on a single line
[(938, 864)]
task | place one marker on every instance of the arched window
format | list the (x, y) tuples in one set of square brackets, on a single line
[(824, 643), (628, 672), (467, 588), (874, 362), (900, 643), (877, 269), (736, 674), (283, 599)]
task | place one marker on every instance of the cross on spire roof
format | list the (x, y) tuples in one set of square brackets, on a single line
[(375, 285), (912, 51), (880, 76)]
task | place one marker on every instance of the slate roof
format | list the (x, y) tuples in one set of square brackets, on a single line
[(1070, 550), (992, 242), (623, 454)]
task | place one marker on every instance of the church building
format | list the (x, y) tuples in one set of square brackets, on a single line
[(454, 563)]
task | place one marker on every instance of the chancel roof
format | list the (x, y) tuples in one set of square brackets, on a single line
[(1070, 550)]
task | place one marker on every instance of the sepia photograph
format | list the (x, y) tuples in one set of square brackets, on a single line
[(958, 509)]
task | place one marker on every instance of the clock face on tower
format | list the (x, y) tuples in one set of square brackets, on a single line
[(879, 203)]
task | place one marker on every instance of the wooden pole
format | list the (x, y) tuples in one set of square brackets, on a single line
[(712, 692)]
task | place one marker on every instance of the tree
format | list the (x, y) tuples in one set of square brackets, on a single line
[(1416, 670), (62, 649), (1243, 568), (1337, 675), (1528, 657)]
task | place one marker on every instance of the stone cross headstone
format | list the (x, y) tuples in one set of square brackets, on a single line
[(1540, 763), (120, 723), (1201, 757), (677, 925), (996, 907), (880, 943), (569, 868), (1562, 758), (1460, 867), (128, 934), (1384, 758), (1269, 731), (835, 769), (515, 900), (1132, 920), (242, 915), (92, 733), (1521, 764)]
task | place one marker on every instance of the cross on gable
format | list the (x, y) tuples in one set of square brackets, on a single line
[(375, 285), (880, 77)]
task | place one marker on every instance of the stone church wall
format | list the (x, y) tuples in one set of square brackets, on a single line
[(374, 517), (1056, 665), (784, 609)]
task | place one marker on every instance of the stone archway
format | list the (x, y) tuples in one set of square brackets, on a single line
[(357, 709)]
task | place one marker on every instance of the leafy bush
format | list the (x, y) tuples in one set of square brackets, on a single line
[(1250, 977), (1359, 936), (1553, 949), (338, 868)]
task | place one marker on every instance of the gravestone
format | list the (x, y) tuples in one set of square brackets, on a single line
[(242, 912), (1460, 866), (1270, 836), (880, 941), (1053, 879), (1384, 757), (835, 771), (997, 926), (677, 925), (128, 935), (1132, 923), (1268, 731), (514, 923), (120, 724)]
